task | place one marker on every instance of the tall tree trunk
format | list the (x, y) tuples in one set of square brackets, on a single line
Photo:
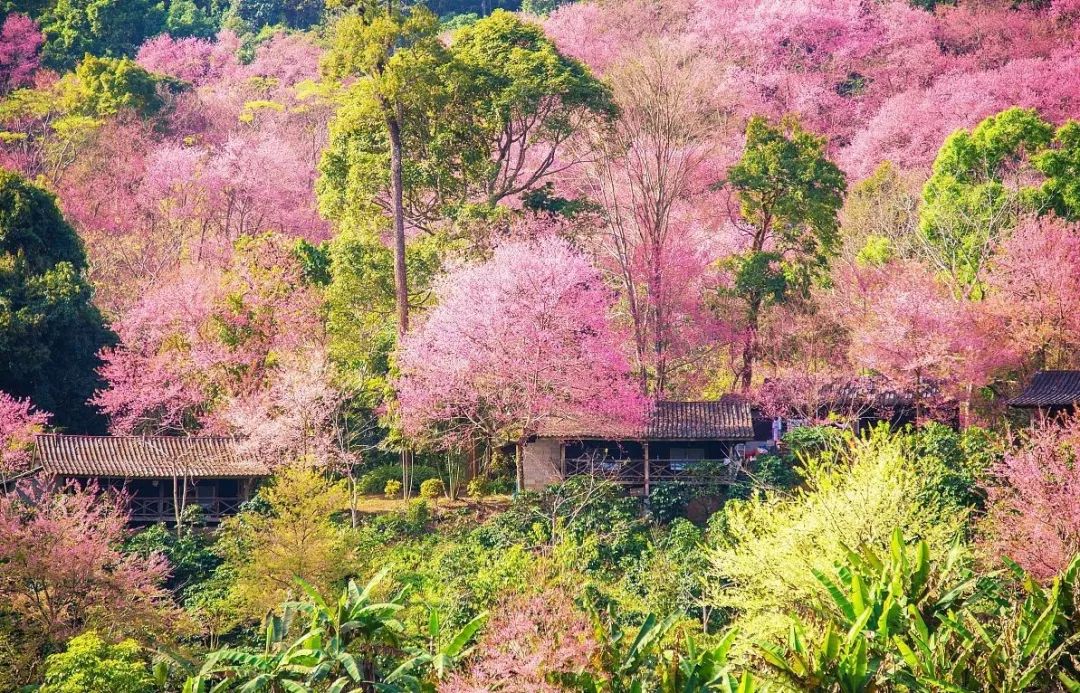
[(401, 280), (753, 317), (401, 284)]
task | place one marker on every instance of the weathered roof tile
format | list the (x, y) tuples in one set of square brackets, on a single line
[(144, 457), (1050, 389), (725, 419)]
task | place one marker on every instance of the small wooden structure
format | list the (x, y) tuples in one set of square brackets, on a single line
[(688, 442), (160, 473), (1050, 393)]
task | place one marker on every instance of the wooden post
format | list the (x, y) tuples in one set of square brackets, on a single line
[(562, 459), (645, 445)]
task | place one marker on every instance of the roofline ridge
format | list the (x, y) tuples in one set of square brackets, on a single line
[(134, 436), (720, 400)]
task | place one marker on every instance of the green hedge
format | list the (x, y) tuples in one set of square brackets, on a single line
[(374, 482)]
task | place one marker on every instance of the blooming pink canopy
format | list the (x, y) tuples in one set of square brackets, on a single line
[(20, 40), (515, 342), (19, 421)]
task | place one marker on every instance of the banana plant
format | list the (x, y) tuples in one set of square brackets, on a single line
[(874, 604), (895, 586), (1023, 645), (907, 621), (285, 666), (839, 662), (705, 669), (624, 663), (426, 666), (321, 658), (355, 623)]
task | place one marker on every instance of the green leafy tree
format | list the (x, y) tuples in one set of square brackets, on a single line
[(392, 54), (91, 665), (789, 194), (976, 192), (524, 101), (188, 18), (113, 28), (429, 135), (259, 17), (1060, 164), (360, 299), (50, 332), (542, 7), (102, 87), (52, 124)]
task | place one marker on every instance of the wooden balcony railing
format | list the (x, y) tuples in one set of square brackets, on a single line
[(148, 510), (641, 472)]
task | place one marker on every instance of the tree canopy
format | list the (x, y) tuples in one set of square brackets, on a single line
[(50, 332), (789, 197)]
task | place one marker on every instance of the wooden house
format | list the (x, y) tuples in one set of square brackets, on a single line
[(1050, 393), (160, 473), (690, 442)]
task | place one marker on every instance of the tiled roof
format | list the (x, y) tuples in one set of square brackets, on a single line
[(1050, 389), (725, 419), (143, 457)]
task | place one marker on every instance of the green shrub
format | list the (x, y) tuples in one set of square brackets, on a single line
[(431, 489), (418, 513), (374, 481), (521, 523), (668, 501), (767, 472), (953, 478), (392, 489), (191, 556), (91, 665), (478, 487), (410, 522), (596, 522), (816, 440), (502, 485)]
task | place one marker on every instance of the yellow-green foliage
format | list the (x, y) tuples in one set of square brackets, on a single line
[(765, 549), (294, 537), (91, 665), (431, 489)]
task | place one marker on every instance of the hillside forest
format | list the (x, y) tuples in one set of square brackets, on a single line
[(385, 246)]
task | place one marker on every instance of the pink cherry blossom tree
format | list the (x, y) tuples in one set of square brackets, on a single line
[(651, 178), (1034, 516), (195, 60), (905, 325), (19, 421), (20, 40), (62, 571), (1034, 285), (883, 80), (152, 376), (514, 343), (206, 337), (297, 417), (535, 637)]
